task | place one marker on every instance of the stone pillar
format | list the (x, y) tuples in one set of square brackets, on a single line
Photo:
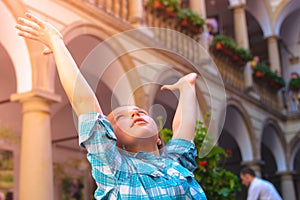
[(240, 25), (287, 185), (36, 172), (274, 56), (199, 7), (135, 12), (241, 36)]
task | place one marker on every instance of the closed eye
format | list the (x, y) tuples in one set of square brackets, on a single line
[(142, 112), (119, 117)]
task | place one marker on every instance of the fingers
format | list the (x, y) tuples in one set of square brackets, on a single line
[(27, 30), (35, 19), (27, 35), (29, 23)]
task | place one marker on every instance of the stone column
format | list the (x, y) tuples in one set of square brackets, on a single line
[(274, 56), (135, 12), (199, 7), (36, 172), (240, 25), (241, 36), (287, 185)]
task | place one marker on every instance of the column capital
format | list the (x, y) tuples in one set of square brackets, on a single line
[(276, 37), (237, 6), (286, 174), (253, 163), (35, 94), (35, 100)]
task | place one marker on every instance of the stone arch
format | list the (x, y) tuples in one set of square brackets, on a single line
[(262, 12), (9, 39), (285, 8), (289, 17), (257, 42), (242, 124), (279, 141)]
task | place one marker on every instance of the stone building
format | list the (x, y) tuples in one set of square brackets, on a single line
[(137, 50)]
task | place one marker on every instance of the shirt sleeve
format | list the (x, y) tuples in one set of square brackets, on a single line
[(182, 151), (96, 135)]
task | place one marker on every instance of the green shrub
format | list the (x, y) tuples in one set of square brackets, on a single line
[(217, 182)]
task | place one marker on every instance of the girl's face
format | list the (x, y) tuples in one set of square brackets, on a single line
[(132, 124)]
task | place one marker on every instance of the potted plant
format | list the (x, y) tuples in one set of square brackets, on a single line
[(172, 7), (266, 76), (191, 20), (294, 83), (226, 45), (183, 18), (157, 5)]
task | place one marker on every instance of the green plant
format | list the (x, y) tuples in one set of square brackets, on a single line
[(169, 5), (171, 8), (244, 54), (193, 17), (172, 5), (230, 45), (217, 182), (264, 73), (294, 83)]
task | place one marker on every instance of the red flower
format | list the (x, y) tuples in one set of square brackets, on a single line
[(203, 163), (228, 151), (258, 74), (219, 46)]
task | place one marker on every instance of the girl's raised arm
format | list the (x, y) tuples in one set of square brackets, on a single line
[(84, 99), (184, 121)]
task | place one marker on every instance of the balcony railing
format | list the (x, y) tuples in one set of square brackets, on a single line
[(232, 74), (138, 12), (117, 8), (269, 96)]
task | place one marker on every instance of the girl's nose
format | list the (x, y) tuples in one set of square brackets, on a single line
[(134, 113)]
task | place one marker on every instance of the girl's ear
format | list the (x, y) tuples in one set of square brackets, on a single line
[(158, 142)]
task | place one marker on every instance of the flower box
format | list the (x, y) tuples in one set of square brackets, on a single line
[(263, 74), (294, 84), (227, 46)]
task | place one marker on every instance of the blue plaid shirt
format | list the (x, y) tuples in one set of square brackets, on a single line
[(120, 175)]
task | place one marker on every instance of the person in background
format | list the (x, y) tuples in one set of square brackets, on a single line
[(259, 189), (212, 28)]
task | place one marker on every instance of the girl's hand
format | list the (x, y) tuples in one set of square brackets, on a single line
[(186, 81), (33, 28)]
